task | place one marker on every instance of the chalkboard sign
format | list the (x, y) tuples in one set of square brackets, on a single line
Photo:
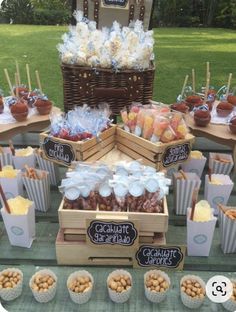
[(60, 152), (175, 154), (123, 233), (171, 257), (121, 4)]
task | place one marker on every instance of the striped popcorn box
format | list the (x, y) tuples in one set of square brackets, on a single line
[(221, 163), (6, 156), (194, 165), (38, 190), (227, 224), (49, 166), (218, 190), (183, 191), (21, 161), (12, 187)]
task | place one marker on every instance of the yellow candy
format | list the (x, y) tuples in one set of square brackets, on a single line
[(25, 151), (196, 154), (148, 122), (8, 172), (182, 130), (202, 211), (132, 116), (215, 181), (19, 205)]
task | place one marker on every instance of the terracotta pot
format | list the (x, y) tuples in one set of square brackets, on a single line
[(232, 99), (180, 107), (232, 125), (20, 116), (44, 110), (224, 109), (202, 118)]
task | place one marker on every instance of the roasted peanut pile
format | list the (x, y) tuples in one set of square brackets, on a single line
[(156, 283), (42, 283), (233, 297), (9, 279), (120, 283), (81, 284), (193, 289)]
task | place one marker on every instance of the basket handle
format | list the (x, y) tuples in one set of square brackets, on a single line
[(121, 93)]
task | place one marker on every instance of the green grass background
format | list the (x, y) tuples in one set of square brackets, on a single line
[(177, 51)]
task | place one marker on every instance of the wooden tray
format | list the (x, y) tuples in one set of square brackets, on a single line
[(148, 222)]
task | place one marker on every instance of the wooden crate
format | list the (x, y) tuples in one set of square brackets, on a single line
[(64, 152), (148, 222), (157, 155), (80, 253)]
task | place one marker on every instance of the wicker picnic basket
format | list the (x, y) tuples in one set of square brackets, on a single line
[(84, 85)]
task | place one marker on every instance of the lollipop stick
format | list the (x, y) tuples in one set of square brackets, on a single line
[(18, 71), (193, 81), (184, 85), (228, 85), (17, 85), (194, 200), (12, 148), (207, 87), (4, 200), (207, 69), (38, 81), (9, 81), (28, 77)]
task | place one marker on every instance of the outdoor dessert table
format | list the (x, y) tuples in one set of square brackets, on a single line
[(215, 132), (34, 123)]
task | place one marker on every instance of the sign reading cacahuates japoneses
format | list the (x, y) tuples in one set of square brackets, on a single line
[(171, 257), (60, 152), (175, 154), (122, 233), (121, 4)]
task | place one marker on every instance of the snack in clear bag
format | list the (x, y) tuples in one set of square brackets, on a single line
[(105, 198), (120, 189), (179, 126), (160, 124), (148, 125)]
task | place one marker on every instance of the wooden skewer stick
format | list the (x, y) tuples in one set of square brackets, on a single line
[(193, 81), (17, 85), (194, 201), (12, 148), (18, 71), (38, 81), (207, 69), (183, 174), (184, 85), (228, 85), (4, 200), (207, 88), (221, 207), (9, 81), (28, 77), (0, 165), (209, 173)]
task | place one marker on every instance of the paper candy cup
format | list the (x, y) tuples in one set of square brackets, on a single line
[(20, 228), (38, 190), (194, 165), (49, 166), (188, 301), (21, 161), (84, 297), (12, 187), (115, 296), (15, 292), (183, 191), (227, 232), (6, 157), (230, 305), (218, 194), (199, 236), (46, 296), (154, 296), (219, 167)]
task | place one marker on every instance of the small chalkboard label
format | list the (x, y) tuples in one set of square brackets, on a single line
[(160, 256), (175, 154), (61, 152), (123, 233), (115, 3)]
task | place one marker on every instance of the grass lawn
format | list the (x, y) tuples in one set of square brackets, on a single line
[(177, 50)]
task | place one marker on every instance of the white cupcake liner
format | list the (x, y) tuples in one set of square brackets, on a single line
[(115, 296), (15, 292), (47, 296), (154, 296), (187, 300), (230, 305), (84, 297)]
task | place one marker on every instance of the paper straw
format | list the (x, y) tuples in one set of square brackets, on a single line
[(17, 85), (228, 85), (184, 85), (38, 81), (28, 77), (193, 81), (9, 81), (18, 71), (207, 69), (4, 200), (207, 87)]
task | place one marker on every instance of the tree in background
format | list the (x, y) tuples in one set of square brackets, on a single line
[(17, 11)]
